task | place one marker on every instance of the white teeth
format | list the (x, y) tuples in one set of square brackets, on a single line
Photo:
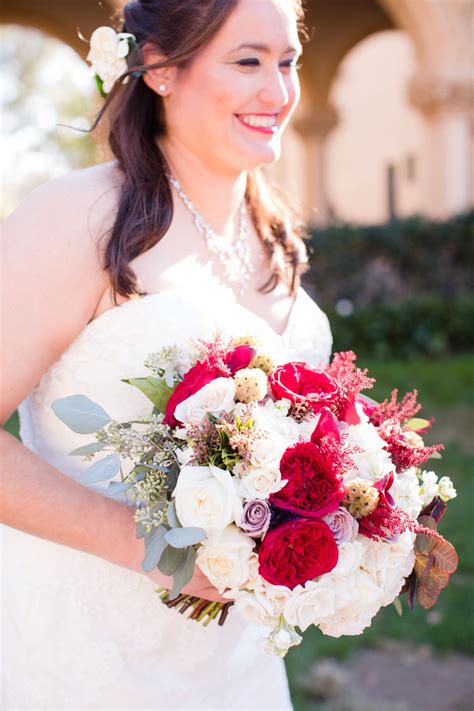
[(259, 121)]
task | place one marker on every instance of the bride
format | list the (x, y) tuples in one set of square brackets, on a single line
[(178, 234)]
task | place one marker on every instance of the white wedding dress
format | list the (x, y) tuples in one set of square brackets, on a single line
[(81, 633)]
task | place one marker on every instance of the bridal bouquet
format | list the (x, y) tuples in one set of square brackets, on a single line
[(302, 500)]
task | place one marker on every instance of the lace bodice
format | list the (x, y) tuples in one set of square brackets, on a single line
[(96, 635)]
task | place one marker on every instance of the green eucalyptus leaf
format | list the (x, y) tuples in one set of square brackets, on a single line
[(91, 448), (172, 516), (172, 476), (80, 414), (183, 573), (105, 468), (184, 537), (140, 530), (118, 487), (170, 560), (155, 389), (155, 544)]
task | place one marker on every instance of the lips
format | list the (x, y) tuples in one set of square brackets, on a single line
[(263, 123)]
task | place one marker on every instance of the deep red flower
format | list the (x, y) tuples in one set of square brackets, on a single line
[(326, 428), (297, 551), (196, 378), (239, 357), (301, 383), (314, 487)]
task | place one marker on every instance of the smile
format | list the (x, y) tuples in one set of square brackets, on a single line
[(264, 123)]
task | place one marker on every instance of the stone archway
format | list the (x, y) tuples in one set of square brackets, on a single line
[(60, 19), (441, 90)]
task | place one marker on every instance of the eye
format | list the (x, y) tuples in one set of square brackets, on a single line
[(292, 63), (250, 62)]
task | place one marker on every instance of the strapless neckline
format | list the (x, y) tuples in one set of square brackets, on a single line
[(112, 313)]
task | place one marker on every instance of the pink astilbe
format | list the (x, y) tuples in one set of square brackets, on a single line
[(332, 443), (349, 377), (403, 453), (391, 409), (387, 522), (222, 356)]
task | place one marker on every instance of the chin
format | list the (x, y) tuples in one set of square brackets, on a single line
[(269, 154)]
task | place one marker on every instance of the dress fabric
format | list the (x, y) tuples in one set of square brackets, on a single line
[(81, 633)]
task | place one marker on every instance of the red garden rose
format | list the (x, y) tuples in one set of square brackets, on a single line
[(299, 382), (313, 487), (297, 551)]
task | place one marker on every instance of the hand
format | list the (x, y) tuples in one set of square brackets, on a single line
[(199, 585)]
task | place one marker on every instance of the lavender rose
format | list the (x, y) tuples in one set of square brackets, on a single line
[(255, 518), (342, 524)]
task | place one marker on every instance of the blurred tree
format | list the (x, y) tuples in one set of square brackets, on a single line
[(45, 83)]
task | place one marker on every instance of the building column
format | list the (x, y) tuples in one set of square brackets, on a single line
[(447, 160), (313, 127)]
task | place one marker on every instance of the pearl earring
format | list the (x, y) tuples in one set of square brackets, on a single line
[(162, 87)]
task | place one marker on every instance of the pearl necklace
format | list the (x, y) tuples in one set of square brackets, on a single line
[(233, 254)]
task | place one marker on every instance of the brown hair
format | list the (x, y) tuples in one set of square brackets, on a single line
[(180, 29)]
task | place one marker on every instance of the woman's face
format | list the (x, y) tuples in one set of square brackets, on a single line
[(231, 105)]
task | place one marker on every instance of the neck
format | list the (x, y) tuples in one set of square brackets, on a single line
[(217, 197)]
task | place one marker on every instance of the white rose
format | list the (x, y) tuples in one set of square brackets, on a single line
[(308, 604), (215, 397), (446, 488), (273, 419), (225, 558), (207, 497), (429, 487), (260, 483), (268, 449)]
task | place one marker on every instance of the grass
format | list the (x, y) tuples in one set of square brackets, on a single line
[(445, 388)]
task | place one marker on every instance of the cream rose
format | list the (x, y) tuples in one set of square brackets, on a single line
[(216, 397), (207, 497), (260, 483), (225, 557), (268, 449)]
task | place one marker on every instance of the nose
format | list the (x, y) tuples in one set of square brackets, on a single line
[(274, 90)]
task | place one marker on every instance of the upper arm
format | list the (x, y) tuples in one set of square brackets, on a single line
[(52, 276)]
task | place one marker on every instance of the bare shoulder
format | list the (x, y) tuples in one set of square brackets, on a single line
[(52, 271), (83, 199)]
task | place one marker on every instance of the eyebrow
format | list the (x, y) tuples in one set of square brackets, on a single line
[(265, 48)]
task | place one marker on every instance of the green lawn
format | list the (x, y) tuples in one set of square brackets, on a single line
[(446, 390)]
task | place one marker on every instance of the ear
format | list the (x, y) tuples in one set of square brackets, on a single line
[(161, 81)]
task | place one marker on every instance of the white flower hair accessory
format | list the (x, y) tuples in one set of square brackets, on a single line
[(107, 56)]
